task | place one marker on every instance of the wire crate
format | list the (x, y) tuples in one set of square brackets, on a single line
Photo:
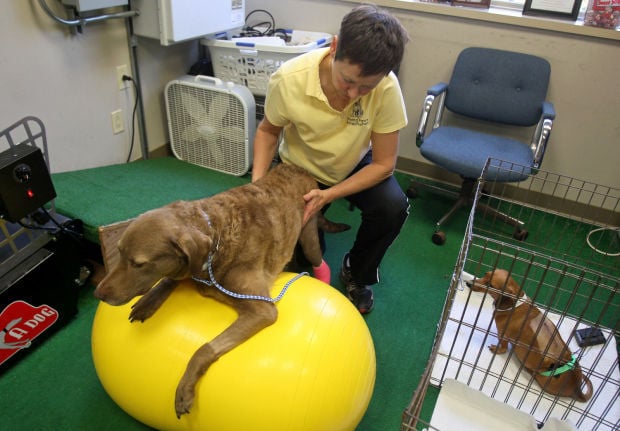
[(562, 248)]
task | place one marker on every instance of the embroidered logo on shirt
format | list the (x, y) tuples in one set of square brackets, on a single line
[(356, 116)]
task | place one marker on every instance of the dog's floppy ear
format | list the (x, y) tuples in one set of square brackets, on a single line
[(196, 247)]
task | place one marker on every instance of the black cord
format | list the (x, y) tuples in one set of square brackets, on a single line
[(133, 115), (32, 227), (271, 25), (270, 30), (59, 227)]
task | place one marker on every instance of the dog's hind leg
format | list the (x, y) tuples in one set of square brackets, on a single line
[(309, 241), (152, 300), (254, 315)]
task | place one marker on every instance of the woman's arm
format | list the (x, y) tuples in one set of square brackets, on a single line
[(384, 155), (265, 146)]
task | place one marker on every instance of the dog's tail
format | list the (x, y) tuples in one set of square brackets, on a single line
[(579, 395), (329, 226)]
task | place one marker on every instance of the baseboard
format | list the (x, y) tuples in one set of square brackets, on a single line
[(427, 171), (163, 151)]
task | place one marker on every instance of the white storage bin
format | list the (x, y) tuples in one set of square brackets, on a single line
[(250, 61)]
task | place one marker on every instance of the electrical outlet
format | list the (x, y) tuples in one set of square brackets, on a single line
[(120, 71), (117, 121)]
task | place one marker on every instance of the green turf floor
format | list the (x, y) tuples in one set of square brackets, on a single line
[(55, 387)]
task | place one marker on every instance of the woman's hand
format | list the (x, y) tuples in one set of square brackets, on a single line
[(315, 200)]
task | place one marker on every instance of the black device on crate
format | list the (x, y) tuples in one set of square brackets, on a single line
[(586, 337), (40, 251), (25, 182)]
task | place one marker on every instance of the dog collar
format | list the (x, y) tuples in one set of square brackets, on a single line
[(211, 281), (564, 368), (520, 301), (217, 243), (206, 217)]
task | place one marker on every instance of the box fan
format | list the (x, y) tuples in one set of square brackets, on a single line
[(211, 123)]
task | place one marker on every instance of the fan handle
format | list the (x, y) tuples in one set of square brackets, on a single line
[(210, 79)]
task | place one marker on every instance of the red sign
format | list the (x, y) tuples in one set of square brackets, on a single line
[(20, 323)]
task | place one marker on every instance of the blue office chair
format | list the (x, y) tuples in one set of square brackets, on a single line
[(493, 90)]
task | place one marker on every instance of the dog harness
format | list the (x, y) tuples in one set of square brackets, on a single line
[(564, 368), (211, 281)]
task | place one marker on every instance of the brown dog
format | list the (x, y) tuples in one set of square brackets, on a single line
[(535, 339), (243, 237)]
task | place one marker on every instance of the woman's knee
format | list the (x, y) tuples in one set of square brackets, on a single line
[(395, 210), (386, 203)]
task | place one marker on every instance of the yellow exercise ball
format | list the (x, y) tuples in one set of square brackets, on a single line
[(312, 370)]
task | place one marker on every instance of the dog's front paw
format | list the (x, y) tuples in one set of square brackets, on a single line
[(183, 400), (141, 310), (152, 300), (498, 349)]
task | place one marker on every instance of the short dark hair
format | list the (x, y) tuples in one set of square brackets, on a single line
[(371, 38)]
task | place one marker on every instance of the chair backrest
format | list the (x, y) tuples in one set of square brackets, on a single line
[(500, 86)]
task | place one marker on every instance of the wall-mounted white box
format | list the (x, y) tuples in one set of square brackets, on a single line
[(85, 5), (173, 21)]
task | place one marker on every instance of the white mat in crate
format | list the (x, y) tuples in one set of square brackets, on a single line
[(461, 408), (469, 346)]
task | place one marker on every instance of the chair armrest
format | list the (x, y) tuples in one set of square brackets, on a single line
[(548, 110), (437, 89), (542, 133), (434, 91)]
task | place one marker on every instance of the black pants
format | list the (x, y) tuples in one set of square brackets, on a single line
[(384, 209)]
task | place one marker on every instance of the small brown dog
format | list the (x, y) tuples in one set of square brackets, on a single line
[(535, 339), (240, 239)]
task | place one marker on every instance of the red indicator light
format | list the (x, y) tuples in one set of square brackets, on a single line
[(30, 193)]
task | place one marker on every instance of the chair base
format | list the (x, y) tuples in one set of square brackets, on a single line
[(465, 198)]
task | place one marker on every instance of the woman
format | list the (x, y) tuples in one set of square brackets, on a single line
[(341, 110)]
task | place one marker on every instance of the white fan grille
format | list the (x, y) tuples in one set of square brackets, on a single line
[(208, 127)]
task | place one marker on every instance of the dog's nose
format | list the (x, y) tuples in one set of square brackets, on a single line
[(99, 293)]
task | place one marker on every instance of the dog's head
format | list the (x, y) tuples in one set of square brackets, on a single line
[(498, 283), (157, 244)]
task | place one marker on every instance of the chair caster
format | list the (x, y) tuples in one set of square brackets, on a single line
[(439, 238), (412, 192), (520, 234)]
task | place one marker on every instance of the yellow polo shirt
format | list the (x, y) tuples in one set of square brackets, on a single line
[(326, 142)]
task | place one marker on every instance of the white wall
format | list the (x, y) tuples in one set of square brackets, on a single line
[(584, 84), (69, 82), (66, 80), (158, 65)]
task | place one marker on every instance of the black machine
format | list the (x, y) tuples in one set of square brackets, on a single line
[(25, 183), (41, 266)]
